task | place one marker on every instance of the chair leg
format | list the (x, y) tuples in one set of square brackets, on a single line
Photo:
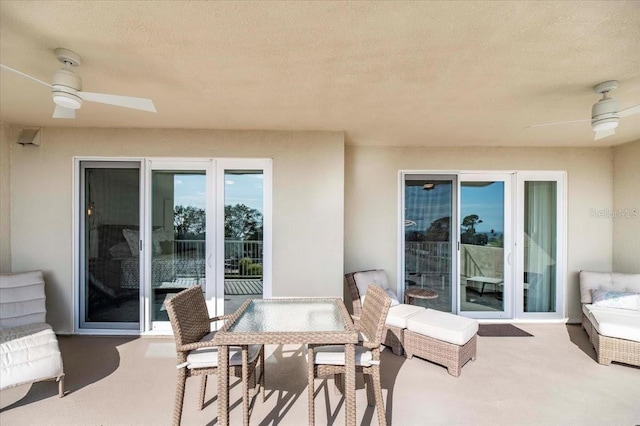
[(203, 391), (177, 409), (311, 385), (377, 389), (61, 386), (368, 384), (338, 384), (262, 373)]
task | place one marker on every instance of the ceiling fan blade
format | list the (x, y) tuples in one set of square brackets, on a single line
[(142, 104), (62, 112), (604, 134), (557, 123), (24, 75), (630, 111)]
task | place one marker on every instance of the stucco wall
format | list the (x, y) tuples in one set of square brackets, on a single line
[(371, 206), (308, 201), (626, 208), (5, 200)]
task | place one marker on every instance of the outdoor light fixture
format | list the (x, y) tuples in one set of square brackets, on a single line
[(428, 186)]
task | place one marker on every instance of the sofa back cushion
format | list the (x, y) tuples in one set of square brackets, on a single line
[(611, 281), (22, 299)]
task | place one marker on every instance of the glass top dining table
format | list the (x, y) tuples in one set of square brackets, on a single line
[(286, 321)]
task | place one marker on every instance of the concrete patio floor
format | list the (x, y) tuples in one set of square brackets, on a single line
[(549, 379)]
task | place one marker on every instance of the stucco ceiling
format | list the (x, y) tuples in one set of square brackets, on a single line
[(385, 73)]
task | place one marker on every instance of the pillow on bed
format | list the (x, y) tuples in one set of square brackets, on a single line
[(120, 250), (132, 238), (616, 299)]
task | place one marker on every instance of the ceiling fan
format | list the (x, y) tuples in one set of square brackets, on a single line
[(67, 94), (605, 116)]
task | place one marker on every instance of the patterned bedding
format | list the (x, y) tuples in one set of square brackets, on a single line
[(166, 268)]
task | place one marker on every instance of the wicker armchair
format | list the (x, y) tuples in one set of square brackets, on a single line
[(196, 353), (327, 360)]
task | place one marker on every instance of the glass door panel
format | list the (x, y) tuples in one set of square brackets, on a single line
[(428, 240), (110, 272), (178, 236), (484, 234), (540, 252), (243, 236)]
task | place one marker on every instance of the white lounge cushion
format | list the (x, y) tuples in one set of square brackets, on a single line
[(363, 279), (208, 357), (443, 326), (28, 353), (22, 299), (334, 355), (611, 281), (616, 299), (398, 315), (618, 323)]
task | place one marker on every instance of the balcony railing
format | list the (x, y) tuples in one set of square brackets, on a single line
[(241, 258)]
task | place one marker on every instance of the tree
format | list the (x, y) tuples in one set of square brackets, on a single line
[(188, 222), (469, 235), (242, 223), (439, 229)]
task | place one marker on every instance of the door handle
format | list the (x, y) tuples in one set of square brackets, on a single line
[(209, 261), (509, 258)]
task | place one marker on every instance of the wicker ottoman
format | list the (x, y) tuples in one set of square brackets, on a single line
[(442, 338)]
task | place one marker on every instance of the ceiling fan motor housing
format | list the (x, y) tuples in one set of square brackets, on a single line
[(65, 87), (604, 115)]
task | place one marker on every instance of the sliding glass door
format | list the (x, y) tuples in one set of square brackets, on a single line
[(485, 252), (148, 229), (109, 208), (430, 237), (485, 245), (180, 204), (540, 245)]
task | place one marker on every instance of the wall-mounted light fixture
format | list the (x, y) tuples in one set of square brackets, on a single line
[(428, 186), (29, 136)]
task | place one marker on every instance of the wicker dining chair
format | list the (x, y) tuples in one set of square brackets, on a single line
[(327, 360), (196, 353)]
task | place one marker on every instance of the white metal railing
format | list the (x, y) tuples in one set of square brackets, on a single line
[(241, 258)]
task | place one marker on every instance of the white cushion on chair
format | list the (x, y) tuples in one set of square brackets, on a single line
[(398, 315), (443, 326), (208, 357), (334, 355), (29, 353), (364, 279)]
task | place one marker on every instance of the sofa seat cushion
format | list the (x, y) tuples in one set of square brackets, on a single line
[(399, 314), (29, 353), (618, 323), (208, 357), (443, 326)]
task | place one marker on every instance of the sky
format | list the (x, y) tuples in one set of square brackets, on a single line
[(190, 190), (423, 207)]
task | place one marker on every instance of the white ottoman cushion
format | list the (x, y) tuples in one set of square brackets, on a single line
[(443, 326), (618, 323), (398, 315)]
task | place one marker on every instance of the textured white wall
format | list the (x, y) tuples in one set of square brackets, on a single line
[(371, 200), (626, 208), (308, 201)]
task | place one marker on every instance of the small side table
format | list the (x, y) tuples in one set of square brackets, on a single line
[(418, 293)]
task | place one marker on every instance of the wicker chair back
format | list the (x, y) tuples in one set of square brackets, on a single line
[(374, 314), (189, 316)]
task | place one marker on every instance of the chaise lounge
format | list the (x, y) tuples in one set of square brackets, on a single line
[(28, 346)]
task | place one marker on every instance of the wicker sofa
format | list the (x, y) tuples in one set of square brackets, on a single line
[(611, 315)]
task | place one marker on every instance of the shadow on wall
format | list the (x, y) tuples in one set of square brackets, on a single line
[(86, 361)]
